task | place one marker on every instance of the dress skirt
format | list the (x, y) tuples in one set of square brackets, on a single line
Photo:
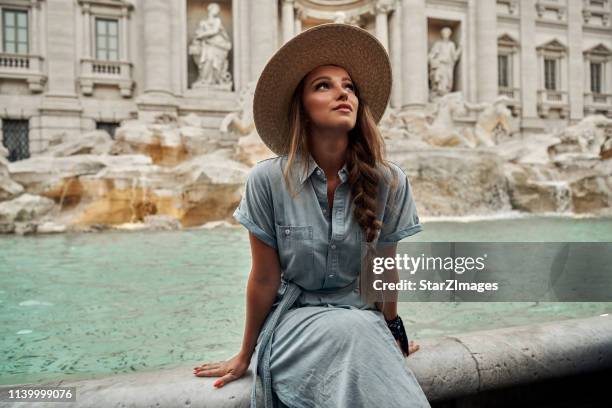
[(338, 356)]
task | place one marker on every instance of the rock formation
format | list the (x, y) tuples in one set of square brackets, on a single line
[(176, 173)]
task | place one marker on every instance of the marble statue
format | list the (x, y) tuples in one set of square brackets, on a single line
[(442, 131), (249, 149), (241, 121), (340, 17), (344, 18), (209, 48), (493, 121), (442, 58)]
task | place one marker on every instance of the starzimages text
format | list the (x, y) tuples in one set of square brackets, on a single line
[(424, 284)]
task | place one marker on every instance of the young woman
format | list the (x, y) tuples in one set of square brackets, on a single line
[(314, 338)]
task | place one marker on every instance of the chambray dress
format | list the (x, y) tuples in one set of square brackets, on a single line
[(321, 345)]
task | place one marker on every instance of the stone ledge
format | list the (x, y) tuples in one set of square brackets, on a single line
[(446, 367)]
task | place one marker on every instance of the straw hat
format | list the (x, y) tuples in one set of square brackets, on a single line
[(352, 48)]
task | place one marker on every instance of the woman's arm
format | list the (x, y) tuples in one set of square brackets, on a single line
[(263, 283), (389, 306)]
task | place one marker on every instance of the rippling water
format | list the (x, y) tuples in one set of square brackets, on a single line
[(88, 305)]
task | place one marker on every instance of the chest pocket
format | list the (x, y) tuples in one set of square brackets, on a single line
[(295, 249)]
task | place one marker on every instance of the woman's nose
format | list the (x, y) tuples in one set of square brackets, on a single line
[(343, 93)]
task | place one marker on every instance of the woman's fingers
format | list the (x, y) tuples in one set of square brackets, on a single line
[(211, 372), (224, 380), (209, 365)]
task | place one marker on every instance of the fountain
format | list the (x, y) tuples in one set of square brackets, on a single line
[(462, 159)]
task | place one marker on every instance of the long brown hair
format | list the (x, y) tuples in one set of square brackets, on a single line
[(364, 157)]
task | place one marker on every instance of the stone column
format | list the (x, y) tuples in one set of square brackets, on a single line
[(529, 66), (157, 44), (264, 34), (486, 50), (60, 107), (383, 8), (86, 31), (414, 54), (244, 54), (34, 29), (124, 34), (288, 20), (61, 58), (300, 14), (395, 38), (576, 61)]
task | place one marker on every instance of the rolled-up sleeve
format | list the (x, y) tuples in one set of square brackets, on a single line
[(256, 210), (400, 219)]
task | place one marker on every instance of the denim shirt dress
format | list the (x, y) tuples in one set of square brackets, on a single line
[(320, 260)]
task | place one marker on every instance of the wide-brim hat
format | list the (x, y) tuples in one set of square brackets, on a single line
[(350, 47)]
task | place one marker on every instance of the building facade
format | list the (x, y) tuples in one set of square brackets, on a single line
[(69, 66)]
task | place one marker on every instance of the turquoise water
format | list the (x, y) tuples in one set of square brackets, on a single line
[(88, 305)]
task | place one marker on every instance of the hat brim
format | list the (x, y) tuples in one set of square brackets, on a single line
[(353, 48)]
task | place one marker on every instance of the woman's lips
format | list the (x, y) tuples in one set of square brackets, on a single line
[(343, 108)]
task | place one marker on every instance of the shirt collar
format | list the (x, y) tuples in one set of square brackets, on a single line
[(313, 166)]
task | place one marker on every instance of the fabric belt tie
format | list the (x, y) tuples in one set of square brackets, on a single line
[(292, 292)]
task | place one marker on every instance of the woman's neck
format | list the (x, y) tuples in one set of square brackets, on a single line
[(329, 151)]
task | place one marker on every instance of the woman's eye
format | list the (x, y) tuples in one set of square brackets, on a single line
[(350, 86)]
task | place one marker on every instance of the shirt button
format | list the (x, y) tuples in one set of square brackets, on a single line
[(331, 276), (324, 211), (318, 172), (333, 246), (287, 232)]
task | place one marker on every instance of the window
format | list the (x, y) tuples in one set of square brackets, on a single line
[(596, 71), (15, 31), (110, 127), (507, 49), (598, 3), (107, 39), (550, 74), (503, 71), (15, 138)]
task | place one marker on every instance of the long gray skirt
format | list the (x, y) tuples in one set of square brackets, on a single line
[(339, 356)]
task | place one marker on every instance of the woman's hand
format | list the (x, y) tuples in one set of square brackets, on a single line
[(411, 347), (229, 370)]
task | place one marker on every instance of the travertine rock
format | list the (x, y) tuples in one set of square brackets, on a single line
[(96, 142), (22, 212), (8, 187), (455, 181)]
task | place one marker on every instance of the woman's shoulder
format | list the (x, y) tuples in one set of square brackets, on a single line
[(393, 172), (268, 169)]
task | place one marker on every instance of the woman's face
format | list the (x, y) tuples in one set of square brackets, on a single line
[(329, 98)]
